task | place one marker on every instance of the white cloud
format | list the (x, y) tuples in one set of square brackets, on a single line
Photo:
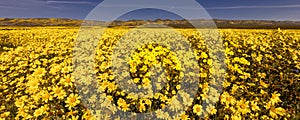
[(250, 7), (21, 4), (69, 2), (3, 6)]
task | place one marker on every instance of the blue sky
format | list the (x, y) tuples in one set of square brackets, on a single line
[(217, 9)]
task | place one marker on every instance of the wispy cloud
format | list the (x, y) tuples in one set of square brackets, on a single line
[(253, 7), (70, 2), (157, 6), (214, 8), (10, 7)]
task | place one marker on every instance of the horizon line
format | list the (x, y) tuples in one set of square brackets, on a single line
[(142, 19)]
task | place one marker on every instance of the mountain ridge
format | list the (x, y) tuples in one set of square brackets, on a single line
[(220, 23)]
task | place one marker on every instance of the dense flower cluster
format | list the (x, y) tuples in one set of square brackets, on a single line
[(261, 76)]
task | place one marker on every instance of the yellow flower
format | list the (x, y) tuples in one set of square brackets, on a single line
[(54, 70), (204, 55), (148, 102), (226, 117), (243, 106), (234, 88), (66, 69), (103, 76), (211, 110), (209, 61), (72, 100), (142, 107), (58, 92), (262, 83), (109, 97), (136, 80), (203, 75), (262, 75), (32, 81), (166, 116), (197, 109), (263, 92), (275, 98), (264, 117), (133, 69), (226, 84), (227, 99), (159, 114), (254, 115), (111, 86), (45, 96), (88, 115), (19, 103), (39, 111), (32, 84), (125, 107), (75, 117), (104, 84), (144, 68), (122, 104), (273, 113), (203, 97), (254, 106), (67, 81), (4, 115), (236, 117), (279, 56), (204, 87), (244, 61), (183, 116), (280, 111), (146, 82), (39, 72), (71, 113), (268, 105), (22, 112)]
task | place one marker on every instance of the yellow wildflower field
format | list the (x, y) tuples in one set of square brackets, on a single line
[(261, 76)]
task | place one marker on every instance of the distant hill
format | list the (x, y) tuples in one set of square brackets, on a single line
[(248, 24), (38, 22), (257, 24)]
